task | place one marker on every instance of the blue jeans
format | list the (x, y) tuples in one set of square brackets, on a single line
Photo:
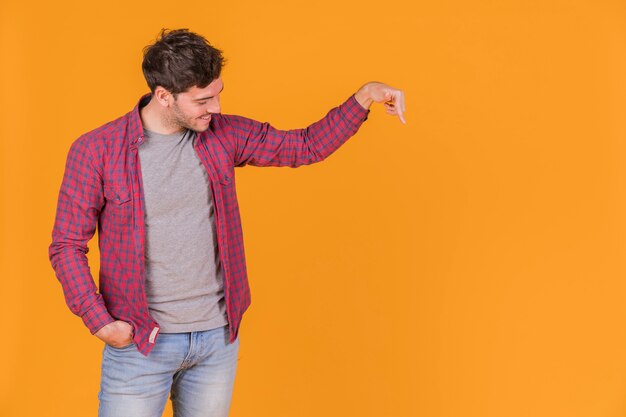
[(197, 369)]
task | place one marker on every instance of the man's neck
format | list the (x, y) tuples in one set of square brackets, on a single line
[(153, 119)]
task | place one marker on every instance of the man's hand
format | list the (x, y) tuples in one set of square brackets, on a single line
[(382, 93), (117, 334)]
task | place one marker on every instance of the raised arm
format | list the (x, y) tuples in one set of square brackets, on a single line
[(260, 144)]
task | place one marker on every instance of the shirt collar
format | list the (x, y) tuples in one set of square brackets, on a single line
[(135, 126)]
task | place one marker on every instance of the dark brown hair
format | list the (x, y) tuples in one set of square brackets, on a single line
[(180, 59)]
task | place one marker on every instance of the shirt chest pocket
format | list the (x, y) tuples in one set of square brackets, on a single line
[(118, 206)]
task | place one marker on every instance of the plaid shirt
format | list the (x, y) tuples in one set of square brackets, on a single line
[(102, 186)]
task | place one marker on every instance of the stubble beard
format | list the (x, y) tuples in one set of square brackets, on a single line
[(178, 119)]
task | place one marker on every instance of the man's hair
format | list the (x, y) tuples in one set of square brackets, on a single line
[(180, 59)]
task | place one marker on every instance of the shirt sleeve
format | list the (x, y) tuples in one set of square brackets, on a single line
[(79, 204), (260, 144)]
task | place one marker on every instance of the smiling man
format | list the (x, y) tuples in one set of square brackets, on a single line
[(159, 185)]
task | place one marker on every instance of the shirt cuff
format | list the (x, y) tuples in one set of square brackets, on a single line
[(353, 111), (97, 317)]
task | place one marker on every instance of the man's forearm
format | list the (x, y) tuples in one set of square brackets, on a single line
[(81, 295), (260, 144)]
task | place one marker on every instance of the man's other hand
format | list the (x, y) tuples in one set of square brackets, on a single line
[(116, 334), (382, 93)]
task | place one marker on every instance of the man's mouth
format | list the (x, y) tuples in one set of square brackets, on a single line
[(207, 117)]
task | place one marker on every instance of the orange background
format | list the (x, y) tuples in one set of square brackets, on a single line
[(470, 263)]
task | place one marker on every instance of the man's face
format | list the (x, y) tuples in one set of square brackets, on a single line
[(193, 108)]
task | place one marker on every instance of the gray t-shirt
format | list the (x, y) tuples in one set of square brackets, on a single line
[(184, 277)]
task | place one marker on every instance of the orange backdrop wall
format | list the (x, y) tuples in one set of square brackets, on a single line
[(470, 263)]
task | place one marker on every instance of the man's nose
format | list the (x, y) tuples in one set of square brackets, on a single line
[(214, 107)]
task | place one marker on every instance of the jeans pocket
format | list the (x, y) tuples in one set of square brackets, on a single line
[(127, 347)]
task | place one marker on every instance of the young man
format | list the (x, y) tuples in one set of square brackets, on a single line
[(159, 183)]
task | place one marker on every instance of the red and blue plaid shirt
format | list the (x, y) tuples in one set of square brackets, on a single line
[(102, 185)]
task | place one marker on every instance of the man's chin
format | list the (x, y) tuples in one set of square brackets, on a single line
[(199, 129), (202, 126)]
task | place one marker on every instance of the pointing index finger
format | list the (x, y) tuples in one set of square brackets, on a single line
[(400, 105)]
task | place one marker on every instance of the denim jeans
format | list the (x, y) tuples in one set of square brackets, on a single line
[(196, 369)]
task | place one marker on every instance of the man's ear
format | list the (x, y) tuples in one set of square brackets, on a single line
[(163, 97)]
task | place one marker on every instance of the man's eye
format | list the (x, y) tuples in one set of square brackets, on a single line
[(201, 103)]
